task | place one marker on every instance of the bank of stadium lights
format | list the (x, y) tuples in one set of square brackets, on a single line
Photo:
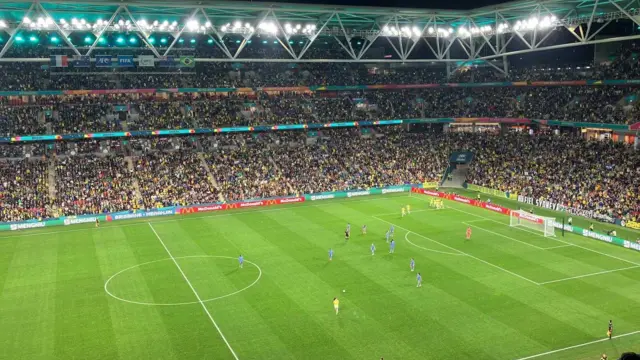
[(39, 23), (268, 27), (502, 28), (237, 28), (474, 31), (442, 32), (308, 29), (535, 23), (403, 31)]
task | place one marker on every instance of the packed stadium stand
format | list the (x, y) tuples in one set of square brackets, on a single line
[(76, 175)]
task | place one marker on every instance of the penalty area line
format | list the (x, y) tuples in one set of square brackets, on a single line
[(579, 345), (204, 307), (461, 252), (588, 275)]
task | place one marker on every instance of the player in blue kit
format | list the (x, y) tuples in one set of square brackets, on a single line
[(419, 279), (392, 246), (373, 249), (388, 236), (347, 232), (412, 264), (330, 254), (392, 229), (241, 261)]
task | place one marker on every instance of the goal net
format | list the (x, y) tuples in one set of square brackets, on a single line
[(531, 221)]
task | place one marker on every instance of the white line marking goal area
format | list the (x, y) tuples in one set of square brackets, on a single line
[(204, 307), (460, 252), (578, 346)]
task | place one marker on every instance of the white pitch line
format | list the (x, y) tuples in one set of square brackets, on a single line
[(579, 345), (461, 252), (406, 237), (504, 236), (562, 241), (204, 307), (587, 275), (558, 247)]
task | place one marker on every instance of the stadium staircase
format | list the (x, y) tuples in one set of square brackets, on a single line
[(51, 177), (136, 185), (210, 176), (456, 173), (455, 176)]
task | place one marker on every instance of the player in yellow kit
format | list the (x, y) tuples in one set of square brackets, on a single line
[(408, 209), (403, 212), (336, 305)]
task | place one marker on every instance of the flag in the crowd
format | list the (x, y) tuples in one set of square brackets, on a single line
[(125, 61), (59, 61), (81, 61), (145, 60), (187, 61), (167, 61), (103, 60)]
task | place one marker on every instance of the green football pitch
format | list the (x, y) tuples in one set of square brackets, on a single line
[(171, 288)]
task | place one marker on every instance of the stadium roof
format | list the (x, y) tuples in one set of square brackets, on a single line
[(495, 28)]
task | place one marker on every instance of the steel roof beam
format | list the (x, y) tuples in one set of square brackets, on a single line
[(63, 33), (101, 32), (13, 32)]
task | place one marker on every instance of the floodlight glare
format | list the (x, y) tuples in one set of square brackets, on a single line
[(193, 25)]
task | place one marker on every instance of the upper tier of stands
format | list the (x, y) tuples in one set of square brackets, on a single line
[(39, 76)]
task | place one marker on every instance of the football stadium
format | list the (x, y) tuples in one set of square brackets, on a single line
[(262, 180)]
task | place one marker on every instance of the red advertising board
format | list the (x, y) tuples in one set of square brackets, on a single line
[(239, 205), (464, 200)]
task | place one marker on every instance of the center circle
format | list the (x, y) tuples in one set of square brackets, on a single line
[(155, 262)]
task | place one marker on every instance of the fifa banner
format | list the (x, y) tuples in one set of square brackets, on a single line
[(568, 228)]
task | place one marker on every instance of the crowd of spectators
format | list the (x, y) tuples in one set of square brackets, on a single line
[(147, 173), (87, 114), (565, 169), (24, 190), (173, 178), (93, 185)]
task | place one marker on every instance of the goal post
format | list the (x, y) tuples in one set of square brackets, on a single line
[(521, 218)]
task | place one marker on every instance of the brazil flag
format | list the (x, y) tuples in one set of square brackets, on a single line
[(187, 61)]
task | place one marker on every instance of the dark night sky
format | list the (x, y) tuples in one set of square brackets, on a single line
[(431, 4)]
